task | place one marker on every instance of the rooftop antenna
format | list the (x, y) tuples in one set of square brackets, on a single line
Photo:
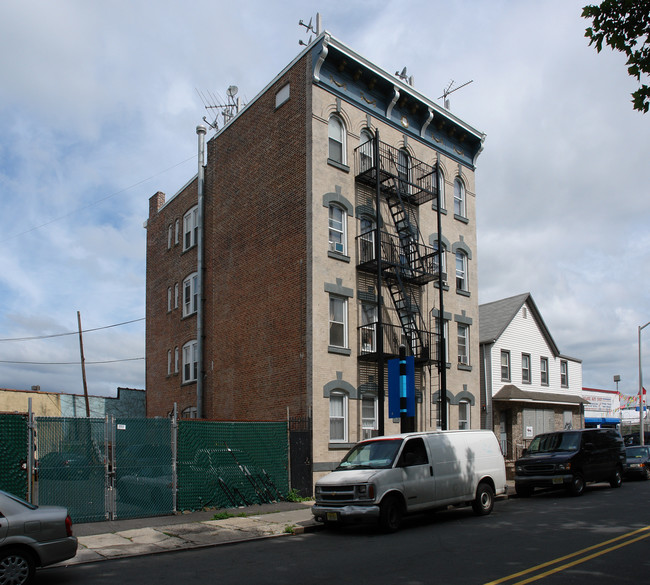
[(311, 29), (228, 110), (405, 77), (448, 90)]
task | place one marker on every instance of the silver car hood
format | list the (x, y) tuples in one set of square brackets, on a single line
[(348, 476)]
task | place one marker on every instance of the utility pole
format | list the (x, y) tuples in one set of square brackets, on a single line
[(83, 365), (381, 399)]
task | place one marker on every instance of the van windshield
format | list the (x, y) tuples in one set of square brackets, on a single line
[(378, 454), (553, 442)]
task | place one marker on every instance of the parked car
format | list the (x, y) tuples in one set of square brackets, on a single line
[(635, 439), (637, 463), (30, 537), (382, 479), (570, 459)]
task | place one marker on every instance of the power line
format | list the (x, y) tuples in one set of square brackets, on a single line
[(71, 332), (71, 363)]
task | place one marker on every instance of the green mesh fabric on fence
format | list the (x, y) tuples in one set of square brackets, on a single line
[(143, 468), (71, 470), (231, 464), (13, 454)]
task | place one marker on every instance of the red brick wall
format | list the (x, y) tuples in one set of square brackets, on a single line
[(255, 260)]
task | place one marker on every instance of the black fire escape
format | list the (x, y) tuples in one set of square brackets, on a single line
[(406, 263)]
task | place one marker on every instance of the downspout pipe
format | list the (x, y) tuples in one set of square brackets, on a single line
[(200, 131)]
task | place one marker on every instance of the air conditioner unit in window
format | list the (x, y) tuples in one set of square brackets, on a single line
[(463, 360), (337, 247)]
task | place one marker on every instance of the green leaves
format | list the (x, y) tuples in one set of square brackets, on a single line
[(624, 25)]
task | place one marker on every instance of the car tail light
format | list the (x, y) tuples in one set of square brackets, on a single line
[(68, 525)]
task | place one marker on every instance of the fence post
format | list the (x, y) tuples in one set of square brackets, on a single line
[(174, 457), (30, 450)]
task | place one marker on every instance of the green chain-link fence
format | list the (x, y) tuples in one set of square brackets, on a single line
[(13, 454), (230, 464)]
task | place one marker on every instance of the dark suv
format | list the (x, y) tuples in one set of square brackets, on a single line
[(570, 459)]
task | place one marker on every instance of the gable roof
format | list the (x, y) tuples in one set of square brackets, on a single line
[(495, 317)]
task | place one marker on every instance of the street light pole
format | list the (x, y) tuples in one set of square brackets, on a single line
[(641, 433)]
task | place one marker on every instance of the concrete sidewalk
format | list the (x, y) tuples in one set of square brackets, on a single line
[(119, 539)]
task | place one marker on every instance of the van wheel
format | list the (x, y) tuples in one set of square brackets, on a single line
[(577, 485), (616, 481), (484, 501), (391, 512)]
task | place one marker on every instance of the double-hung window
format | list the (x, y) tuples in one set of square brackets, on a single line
[(463, 344), (367, 240), (461, 271), (445, 333), (338, 321), (564, 374), (336, 134), (338, 418), (464, 415), (543, 371), (337, 229), (368, 417), (190, 361), (460, 207), (366, 154), (190, 295), (190, 228), (368, 328), (505, 365), (525, 368)]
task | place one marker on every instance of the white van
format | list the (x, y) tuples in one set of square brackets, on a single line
[(382, 479)]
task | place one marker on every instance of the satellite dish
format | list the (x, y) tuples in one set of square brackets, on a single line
[(232, 90)]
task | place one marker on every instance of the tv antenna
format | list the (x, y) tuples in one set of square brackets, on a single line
[(228, 110), (311, 29), (448, 90)]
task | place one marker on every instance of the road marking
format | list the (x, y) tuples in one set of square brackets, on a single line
[(629, 538)]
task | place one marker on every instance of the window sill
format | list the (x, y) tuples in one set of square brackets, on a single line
[(461, 218), (338, 256), (341, 445), (443, 211), (464, 368), (463, 293), (445, 286), (338, 165), (339, 350)]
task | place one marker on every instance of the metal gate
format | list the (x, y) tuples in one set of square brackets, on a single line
[(300, 448), (13, 454)]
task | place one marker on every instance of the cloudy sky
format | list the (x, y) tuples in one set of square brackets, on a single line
[(98, 110)]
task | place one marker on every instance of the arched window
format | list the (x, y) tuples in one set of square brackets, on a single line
[(338, 220), (338, 417), (190, 361), (461, 271), (365, 150), (366, 240), (336, 133), (404, 170), (441, 189), (460, 208)]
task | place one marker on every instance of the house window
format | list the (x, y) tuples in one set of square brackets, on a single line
[(338, 418), (543, 371), (282, 95), (368, 417), (169, 298), (176, 360), (336, 134), (367, 240), (525, 368), (564, 374), (366, 154), (464, 414), (169, 362), (177, 231), (338, 321), (459, 198), (190, 361), (440, 259), (461, 271), (190, 228), (505, 366), (170, 235), (404, 171), (176, 296), (446, 339), (463, 344), (441, 190), (337, 229), (368, 328), (190, 295)]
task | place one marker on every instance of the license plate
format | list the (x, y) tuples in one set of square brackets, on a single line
[(558, 480), (332, 517)]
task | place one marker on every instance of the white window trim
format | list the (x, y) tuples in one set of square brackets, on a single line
[(344, 398), (190, 228), (190, 293), (366, 428), (176, 357), (463, 359), (460, 199), (190, 358), (528, 380), (461, 274), (468, 420), (342, 142), (338, 247), (508, 365)]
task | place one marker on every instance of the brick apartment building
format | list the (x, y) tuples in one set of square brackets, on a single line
[(286, 319)]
